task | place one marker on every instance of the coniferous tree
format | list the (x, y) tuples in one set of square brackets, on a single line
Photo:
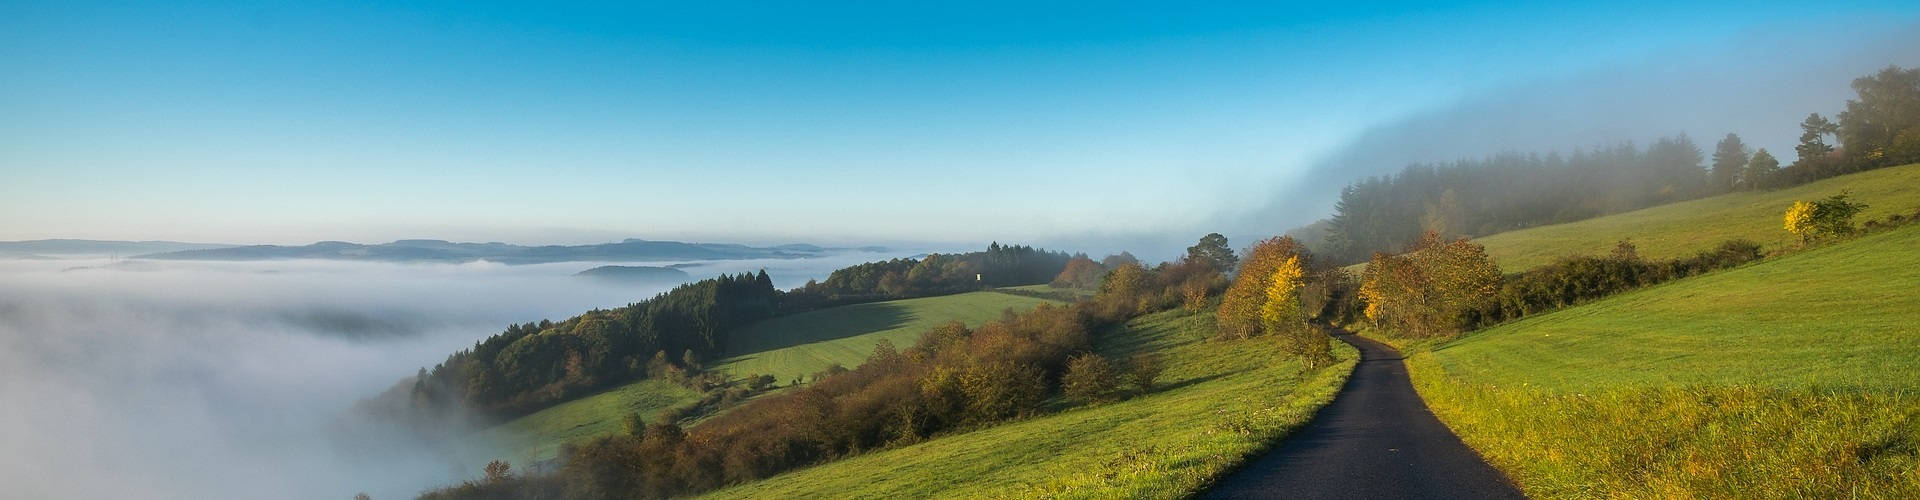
[(1730, 158)]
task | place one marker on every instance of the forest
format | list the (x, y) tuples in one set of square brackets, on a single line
[(1513, 190)]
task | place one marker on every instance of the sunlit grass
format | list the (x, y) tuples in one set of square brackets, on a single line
[(1797, 377), (1219, 403), (1680, 229)]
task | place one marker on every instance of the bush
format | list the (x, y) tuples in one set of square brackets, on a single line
[(1089, 378), (1144, 370), (1824, 219)]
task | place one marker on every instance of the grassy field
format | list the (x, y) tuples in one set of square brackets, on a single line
[(538, 436), (1792, 378), (1679, 229), (786, 347), (1218, 403), (802, 344)]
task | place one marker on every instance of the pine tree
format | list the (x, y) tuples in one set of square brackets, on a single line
[(1730, 159)]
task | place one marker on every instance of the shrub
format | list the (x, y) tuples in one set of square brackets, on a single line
[(1090, 377), (1828, 218), (1144, 370)]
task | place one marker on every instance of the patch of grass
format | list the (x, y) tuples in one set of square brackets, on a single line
[(1679, 229), (806, 343), (1218, 403), (538, 436), (1791, 378)]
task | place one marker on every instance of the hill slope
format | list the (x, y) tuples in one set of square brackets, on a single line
[(1679, 229), (1793, 376), (1219, 402), (786, 347), (805, 343)]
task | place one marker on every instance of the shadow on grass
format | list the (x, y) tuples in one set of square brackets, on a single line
[(819, 326)]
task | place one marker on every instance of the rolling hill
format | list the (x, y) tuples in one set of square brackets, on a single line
[(786, 347), (1794, 376)]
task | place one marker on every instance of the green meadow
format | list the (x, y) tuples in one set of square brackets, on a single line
[(1796, 377), (1679, 229), (805, 343), (1217, 403)]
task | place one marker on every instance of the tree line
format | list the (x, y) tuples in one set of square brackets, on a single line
[(1508, 191)]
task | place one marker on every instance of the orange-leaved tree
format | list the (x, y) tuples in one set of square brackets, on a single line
[(1430, 290)]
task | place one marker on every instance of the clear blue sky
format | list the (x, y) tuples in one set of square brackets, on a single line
[(801, 121)]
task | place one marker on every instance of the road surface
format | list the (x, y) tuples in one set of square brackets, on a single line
[(1376, 440)]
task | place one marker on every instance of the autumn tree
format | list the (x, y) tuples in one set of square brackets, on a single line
[(1240, 307), (1080, 272), (1283, 316), (1430, 290)]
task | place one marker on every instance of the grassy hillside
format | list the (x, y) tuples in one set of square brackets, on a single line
[(802, 344), (538, 436), (786, 347), (1795, 377), (1218, 402), (1679, 229)]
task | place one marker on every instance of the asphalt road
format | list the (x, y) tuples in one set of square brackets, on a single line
[(1376, 440)]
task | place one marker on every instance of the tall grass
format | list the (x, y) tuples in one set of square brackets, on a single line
[(1686, 441)]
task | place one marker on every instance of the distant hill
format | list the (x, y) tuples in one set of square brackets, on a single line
[(46, 248), (444, 251), (636, 275)]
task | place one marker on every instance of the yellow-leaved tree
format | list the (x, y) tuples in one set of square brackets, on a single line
[(1800, 220), (1287, 321), (1240, 307), (1282, 310)]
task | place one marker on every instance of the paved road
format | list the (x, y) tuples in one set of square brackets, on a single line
[(1377, 440)]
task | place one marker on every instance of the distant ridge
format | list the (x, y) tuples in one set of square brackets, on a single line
[(42, 248), (636, 275), (628, 250)]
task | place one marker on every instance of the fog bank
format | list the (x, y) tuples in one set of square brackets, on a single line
[(138, 379), (1759, 86)]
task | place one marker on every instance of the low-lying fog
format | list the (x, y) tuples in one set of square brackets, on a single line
[(152, 379)]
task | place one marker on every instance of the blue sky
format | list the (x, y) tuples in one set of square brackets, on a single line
[(856, 122)]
